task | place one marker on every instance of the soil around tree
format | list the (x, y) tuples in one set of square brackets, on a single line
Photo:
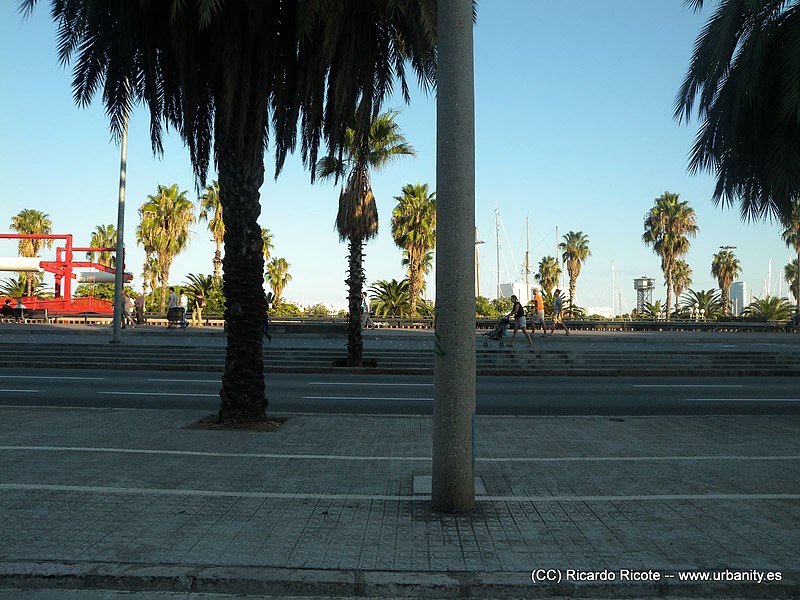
[(211, 423)]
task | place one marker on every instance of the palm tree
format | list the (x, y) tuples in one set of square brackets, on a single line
[(425, 267), (18, 287), (357, 217), (725, 267), (574, 252), (791, 235), (666, 227), (390, 298), (744, 79), (211, 211), (769, 308), (278, 277), (681, 279), (414, 230), (104, 236), (229, 76), (266, 241), (150, 273), (165, 221), (707, 301), (791, 274), (654, 311), (32, 222), (548, 274)]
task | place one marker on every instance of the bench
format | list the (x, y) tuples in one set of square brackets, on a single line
[(27, 315)]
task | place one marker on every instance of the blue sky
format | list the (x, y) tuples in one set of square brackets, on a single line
[(574, 131)]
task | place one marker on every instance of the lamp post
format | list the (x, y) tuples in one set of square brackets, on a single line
[(116, 336)]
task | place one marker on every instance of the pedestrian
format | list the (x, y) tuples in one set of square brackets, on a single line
[(127, 309), (184, 303), (138, 304), (518, 315), (198, 304), (8, 310), (172, 303), (19, 310), (366, 318), (558, 312), (538, 313)]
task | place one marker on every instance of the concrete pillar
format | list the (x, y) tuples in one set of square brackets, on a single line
[(453, 476)]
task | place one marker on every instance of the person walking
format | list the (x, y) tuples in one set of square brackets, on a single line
[(127, 309), (138, 305), (558, 312), (184, 303), (538, 313), (520, 322), (366, 318)]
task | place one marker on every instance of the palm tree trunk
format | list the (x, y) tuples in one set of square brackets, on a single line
[(668, 276), (355, 284), (572, 282), (413, 286), (726, 299), (164, 279), (241, 173)]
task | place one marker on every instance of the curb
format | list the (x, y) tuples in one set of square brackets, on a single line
[(271, 582)]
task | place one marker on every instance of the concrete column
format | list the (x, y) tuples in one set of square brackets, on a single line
[(453, 476)]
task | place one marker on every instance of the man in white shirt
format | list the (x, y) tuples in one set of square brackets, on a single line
[(185, 307)]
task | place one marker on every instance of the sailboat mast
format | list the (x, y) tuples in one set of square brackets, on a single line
[(527, 264), (497, 226)]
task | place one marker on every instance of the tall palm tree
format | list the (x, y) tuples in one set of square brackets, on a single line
[(229, 76), (414, 230), (150, 273), (165, 220), (32, 222), (266, 243), (725, 267), (681, 279), (666, 227), (791, 235), (574, 252), (357, 217), (211, 211), (791, 274), (278, 277), (548, 273), (744, 80), (103, 236)]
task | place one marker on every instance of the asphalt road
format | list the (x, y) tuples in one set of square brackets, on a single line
[(371, 394)]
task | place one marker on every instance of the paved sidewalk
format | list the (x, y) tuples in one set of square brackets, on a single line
[(327, 506)]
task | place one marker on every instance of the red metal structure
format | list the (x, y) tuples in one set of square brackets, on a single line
[(63, 269)]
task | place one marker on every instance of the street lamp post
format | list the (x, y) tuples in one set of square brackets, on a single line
[(116, 336)]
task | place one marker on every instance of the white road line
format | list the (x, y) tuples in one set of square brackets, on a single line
[(757, 400), (157, 394), (87, 489), (19, 391), (685, 385), (52, 377), (217, 381), (510, 459), (366, 398), (368, 384)]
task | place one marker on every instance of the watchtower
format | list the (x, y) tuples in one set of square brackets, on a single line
[(644, 287)]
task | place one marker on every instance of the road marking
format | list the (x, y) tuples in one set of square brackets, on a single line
[(367, 384), (510, 459), (366, 398), (686, 385), (217, 381), (19, 391), (741, 400), (157, 394), (88, 489), (51, 377)]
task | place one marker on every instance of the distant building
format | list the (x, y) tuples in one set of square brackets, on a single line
[(739, 299), (603, 311), (644, 287), (514, 289)]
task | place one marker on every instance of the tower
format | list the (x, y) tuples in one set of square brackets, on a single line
[(644, 291)]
